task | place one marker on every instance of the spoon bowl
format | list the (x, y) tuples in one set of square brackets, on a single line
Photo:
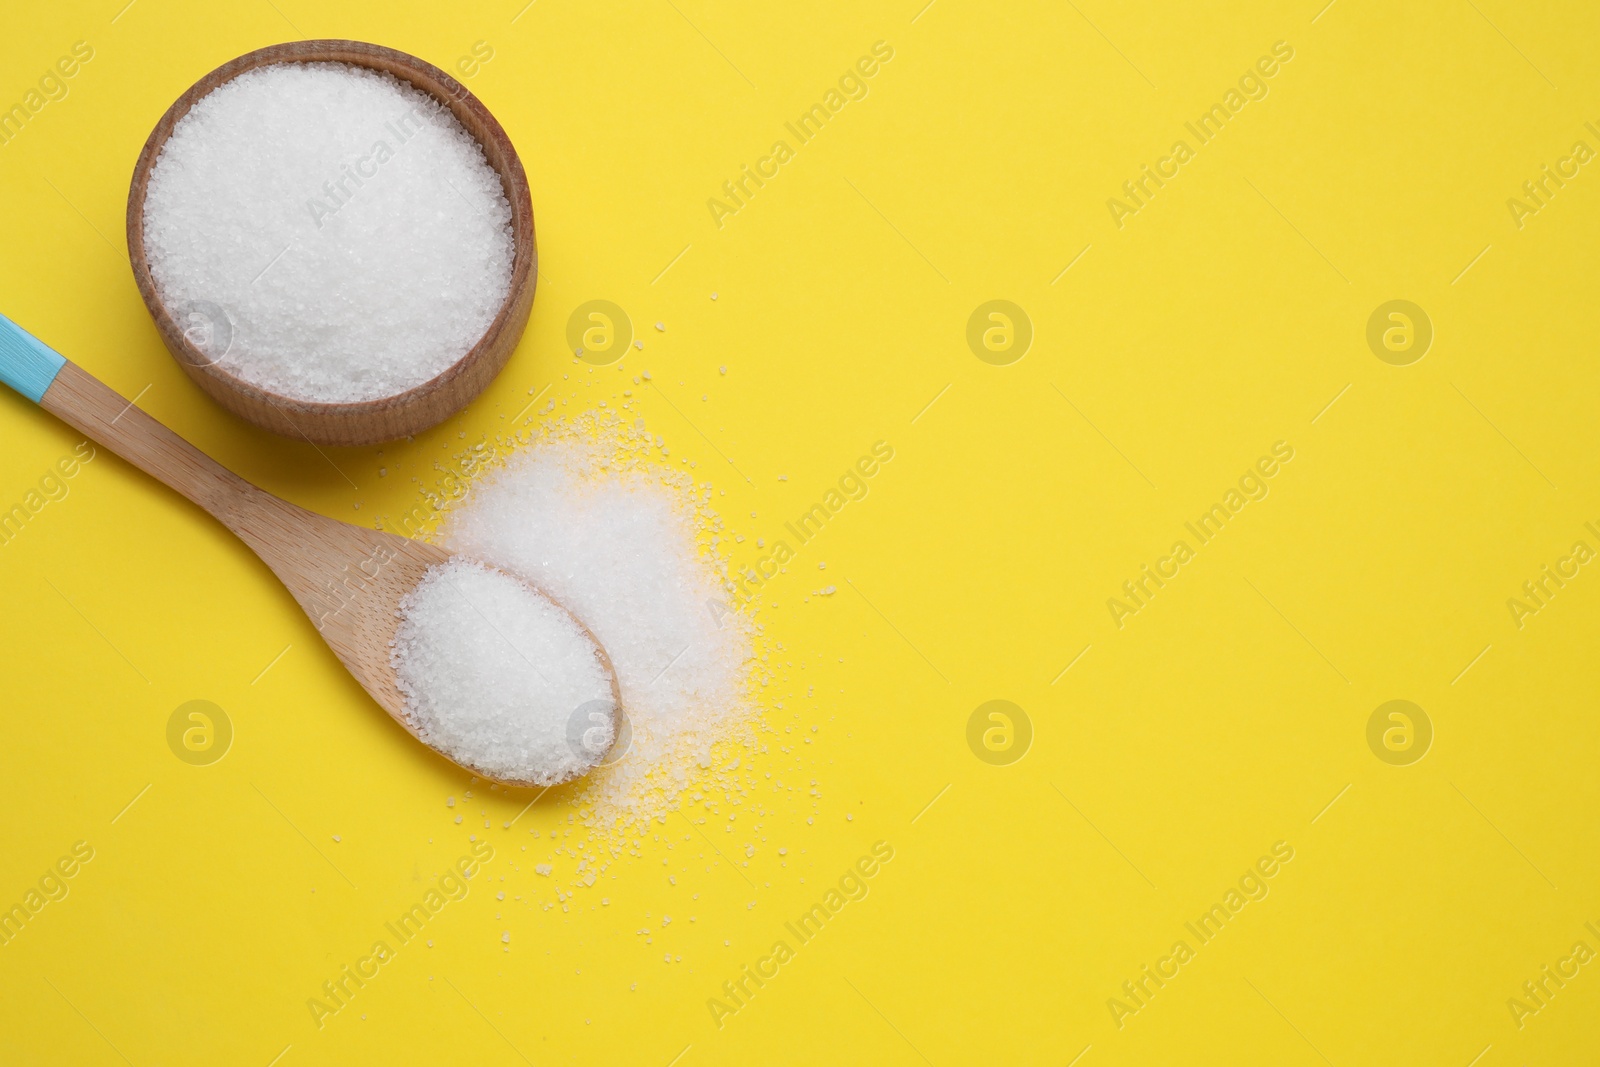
[(369, 421)]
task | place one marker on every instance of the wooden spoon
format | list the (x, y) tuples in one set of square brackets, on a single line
[(349, 580)]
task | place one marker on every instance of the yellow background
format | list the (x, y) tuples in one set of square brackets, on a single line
[(1223, 717)]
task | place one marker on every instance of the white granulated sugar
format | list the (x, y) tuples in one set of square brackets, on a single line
[(616, 541), (345, 225), (499, 678)]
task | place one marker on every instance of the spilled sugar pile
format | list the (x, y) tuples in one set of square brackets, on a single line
[(327, 232), (582, 513), (493, 674)]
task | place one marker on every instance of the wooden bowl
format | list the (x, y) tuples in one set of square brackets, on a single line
[(369, 421)]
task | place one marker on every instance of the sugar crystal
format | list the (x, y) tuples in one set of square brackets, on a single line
[(327, 232), (493, 673)]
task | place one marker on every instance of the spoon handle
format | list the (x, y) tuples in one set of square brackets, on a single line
[(81, 400)]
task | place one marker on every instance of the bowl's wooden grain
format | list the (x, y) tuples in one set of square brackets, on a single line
[(387, 418)]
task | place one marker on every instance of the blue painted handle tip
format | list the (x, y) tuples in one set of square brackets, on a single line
[(27, 364)]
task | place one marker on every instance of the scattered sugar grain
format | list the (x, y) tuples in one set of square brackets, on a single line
[(614, 539)]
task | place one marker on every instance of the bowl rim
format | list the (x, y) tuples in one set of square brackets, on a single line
[(425, 77)]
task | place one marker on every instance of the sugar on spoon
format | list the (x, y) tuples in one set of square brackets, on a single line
[(350, 581)]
